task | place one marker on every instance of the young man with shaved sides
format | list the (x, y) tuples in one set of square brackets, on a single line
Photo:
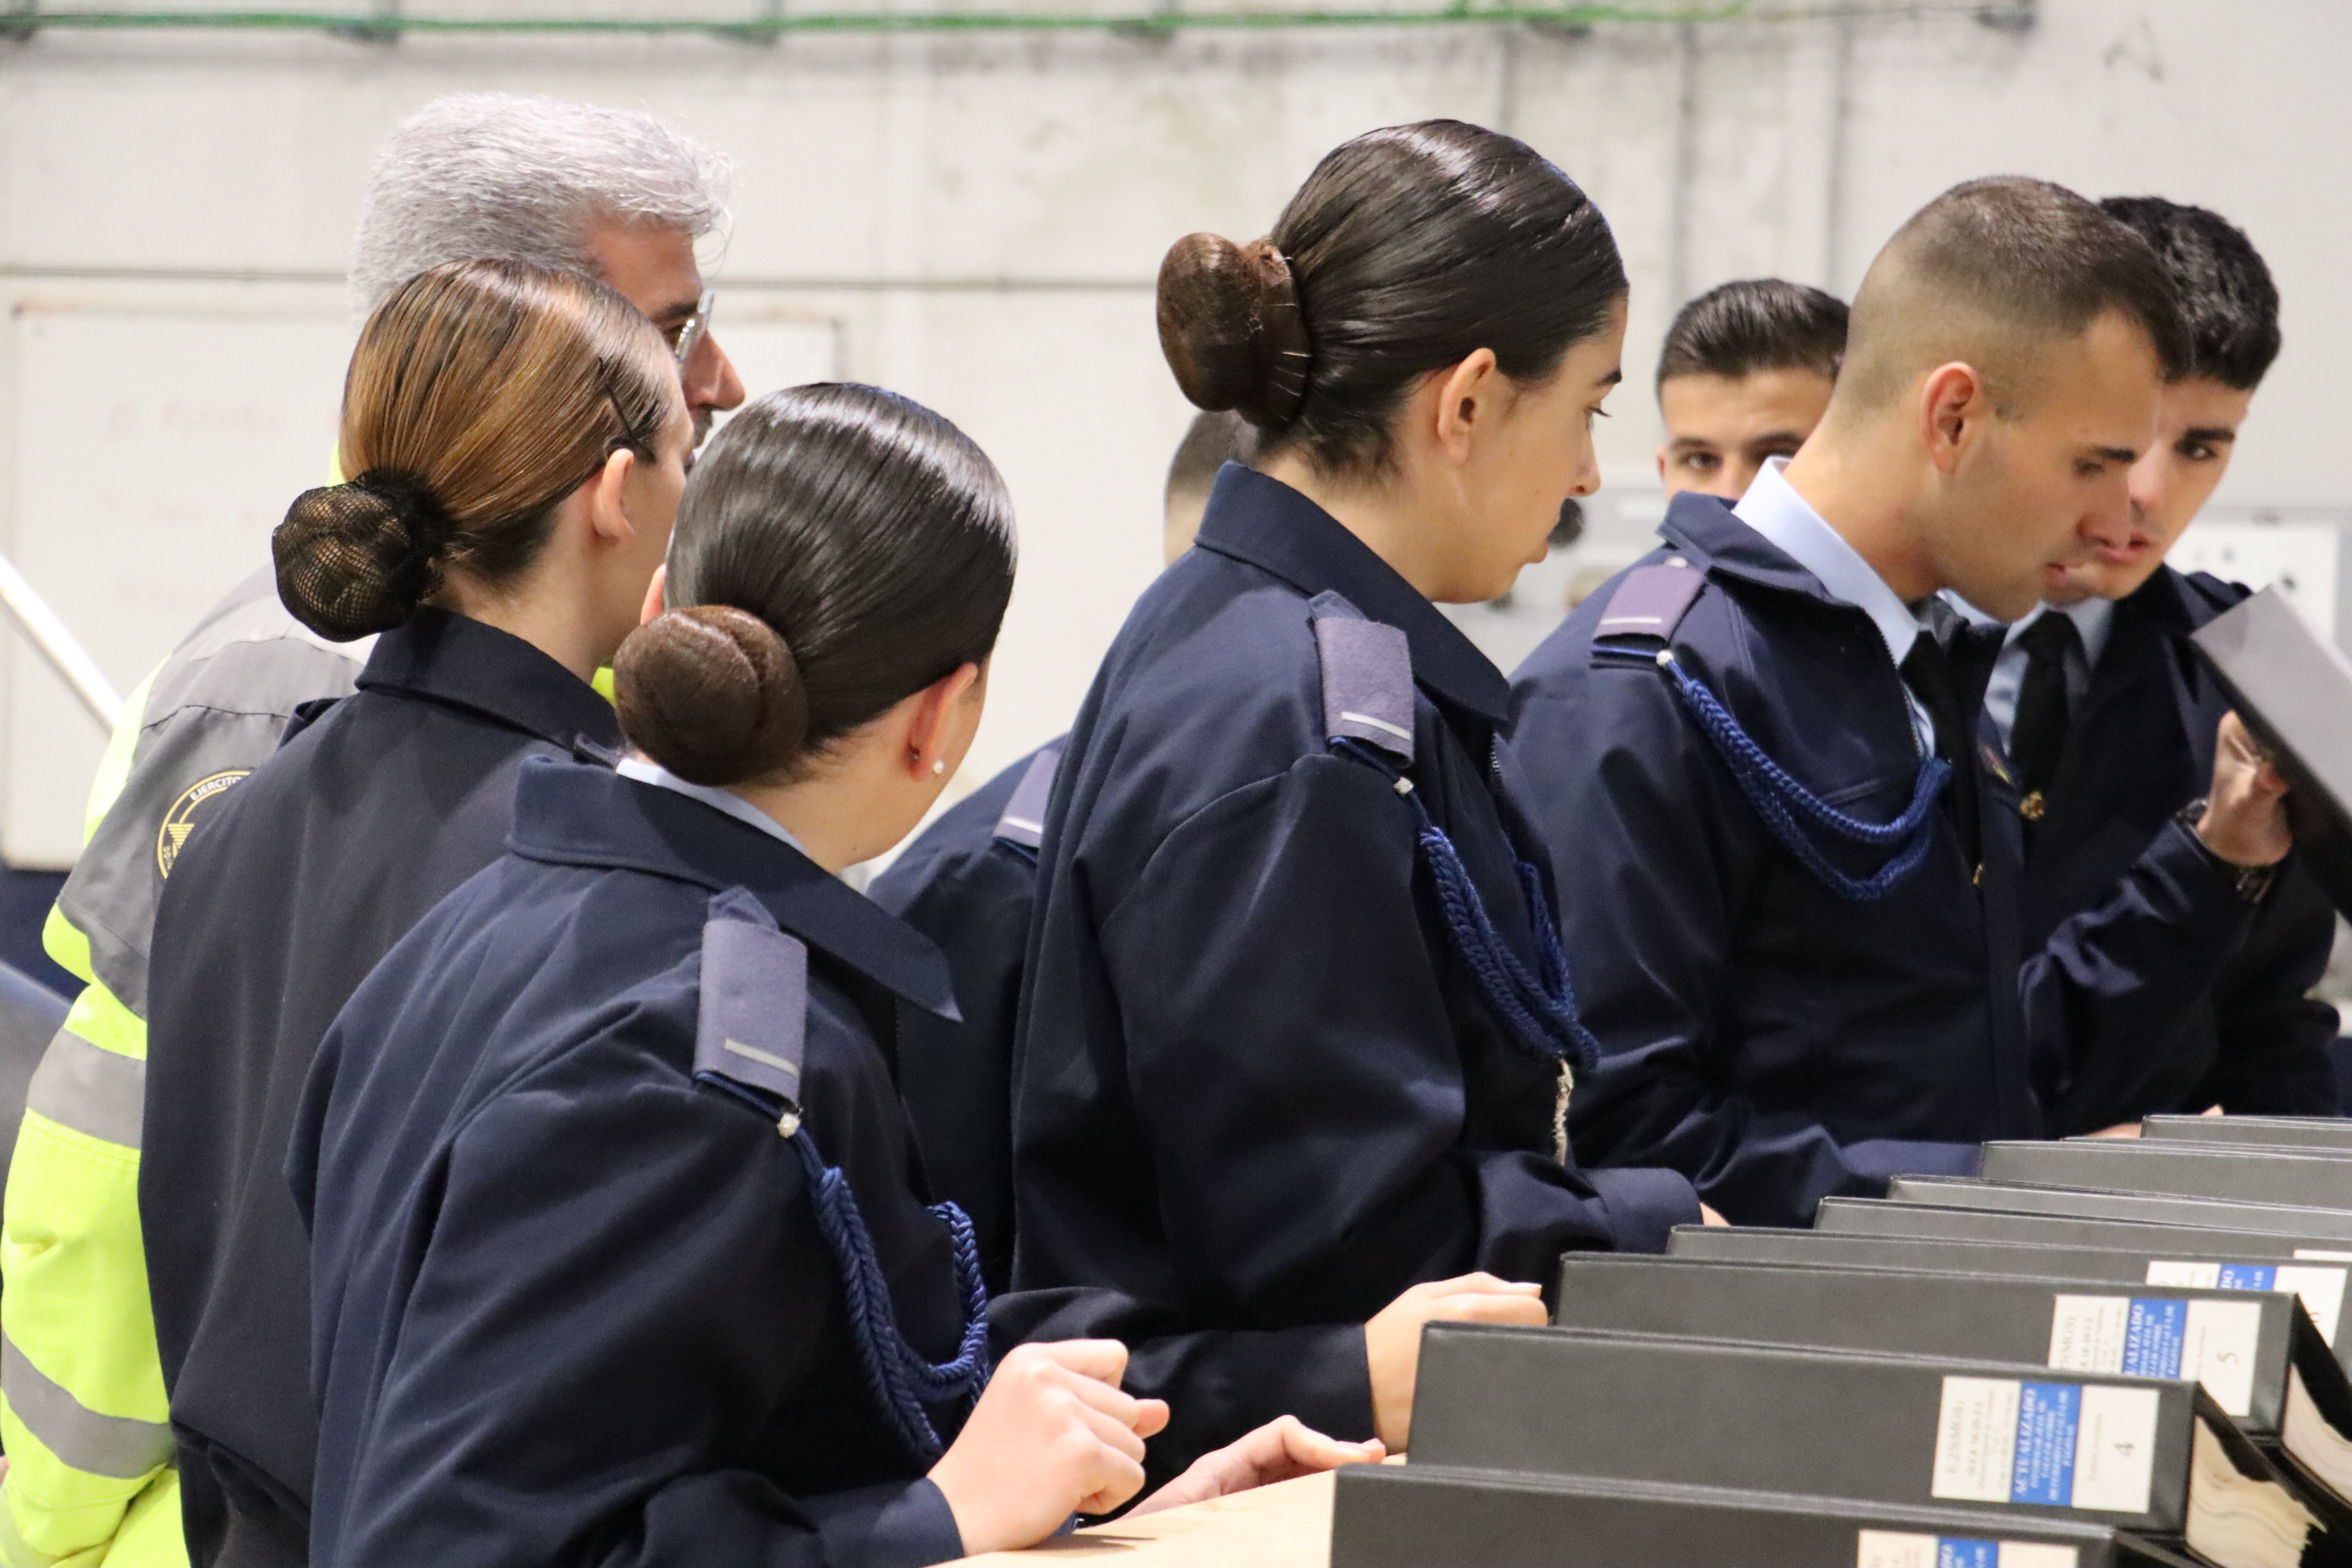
[(1744, 377), (1788, 871), (2109, 719)]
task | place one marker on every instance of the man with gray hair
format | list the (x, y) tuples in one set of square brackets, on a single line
[(86, 1355)]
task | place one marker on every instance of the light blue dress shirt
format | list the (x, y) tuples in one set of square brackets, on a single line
[(734, 806), (2093, 620), (1778, 513)]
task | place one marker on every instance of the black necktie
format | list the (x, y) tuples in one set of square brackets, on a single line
[(2037, 741), (1929, 676)]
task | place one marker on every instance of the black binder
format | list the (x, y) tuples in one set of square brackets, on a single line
[(2320, 1285), (2150, 1456), (2310, 1135), (2319, 1226), (1874, 1217), (2180, 1169), (2293, 690), (1433, 1516), (2252, 1350)]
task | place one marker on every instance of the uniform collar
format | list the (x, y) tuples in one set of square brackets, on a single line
[(2164, 600), (574, 814), (1773, 508), (465, 663), (1269, 525)]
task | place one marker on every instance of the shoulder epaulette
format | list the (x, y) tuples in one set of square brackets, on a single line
[(1651, 601), (752, 1028), (1367, 677), (1024, 821)]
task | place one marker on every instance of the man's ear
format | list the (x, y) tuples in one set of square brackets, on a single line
[(1951, 406), (1661, 464), (655, 590), (931, 727), (1466, 395), (607, 512)]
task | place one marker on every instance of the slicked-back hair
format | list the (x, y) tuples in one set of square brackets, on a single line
[(492, 173), (1211, 442), (1989, 273), (1408, 249), (1755, 324), (2225, 289)]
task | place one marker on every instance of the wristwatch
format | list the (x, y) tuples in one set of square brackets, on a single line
[(2251, 881)]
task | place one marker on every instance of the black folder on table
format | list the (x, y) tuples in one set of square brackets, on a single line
[(2180, 1169), (2319, 1285), (2317, 1227), (2257, 1353), (2151, 1456), (1423, 1516), (2314, 1134), (2293, 689)]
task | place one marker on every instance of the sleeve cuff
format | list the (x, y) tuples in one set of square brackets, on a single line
[(1644, 1205), (894, 1526), (1881, 1159)]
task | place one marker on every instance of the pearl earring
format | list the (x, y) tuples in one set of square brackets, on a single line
[(939, 768)]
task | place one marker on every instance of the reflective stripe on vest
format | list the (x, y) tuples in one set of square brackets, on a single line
[(90, 1088), (101, 1445)]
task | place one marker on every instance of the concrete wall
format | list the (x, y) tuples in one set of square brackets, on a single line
[(976, 221)]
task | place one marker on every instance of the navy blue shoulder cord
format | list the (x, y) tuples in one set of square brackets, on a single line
[(903, 1378), (1538, 1011), (1779, 799)]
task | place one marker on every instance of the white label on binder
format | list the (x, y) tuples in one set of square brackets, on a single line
[(2219, 1351), (2320, 1255), (2087, 1333), (2321, 1289), (2115, 1454), (1894, 1548), (2194, 1276), (1976, 1440)]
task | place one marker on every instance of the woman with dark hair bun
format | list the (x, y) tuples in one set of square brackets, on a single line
[(619, 1256), (1300, 1033), (518, 441)]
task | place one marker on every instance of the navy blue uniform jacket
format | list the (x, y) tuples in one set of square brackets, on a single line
[(570, 1307), (274, 913), (1774, 1041), (2139, 750), (971, 892), (1257, 1088)]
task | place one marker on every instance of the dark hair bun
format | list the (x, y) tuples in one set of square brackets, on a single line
[(712, 694), (1230, 328), (358, 558)]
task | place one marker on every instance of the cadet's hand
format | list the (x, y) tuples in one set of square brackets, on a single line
[(1708, 1216), (2120, 1130), (1392, 1338), (1052, 1436), (2245, 817), (1277, 1451)]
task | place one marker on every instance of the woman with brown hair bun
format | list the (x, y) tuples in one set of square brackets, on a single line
[(1300, 1033), (619, 1255), (519, 442)]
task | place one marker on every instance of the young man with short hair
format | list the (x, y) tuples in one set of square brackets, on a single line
[(1744, 377), (2108, 717), (1788, 872)]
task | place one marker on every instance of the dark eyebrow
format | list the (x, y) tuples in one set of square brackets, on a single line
[(2124, 455), (2212, 435), (672, 314), (1612, 378), (1776, 438), (1690, 444)]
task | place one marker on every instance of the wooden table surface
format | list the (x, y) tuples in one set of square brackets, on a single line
[(1286, 1525)]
